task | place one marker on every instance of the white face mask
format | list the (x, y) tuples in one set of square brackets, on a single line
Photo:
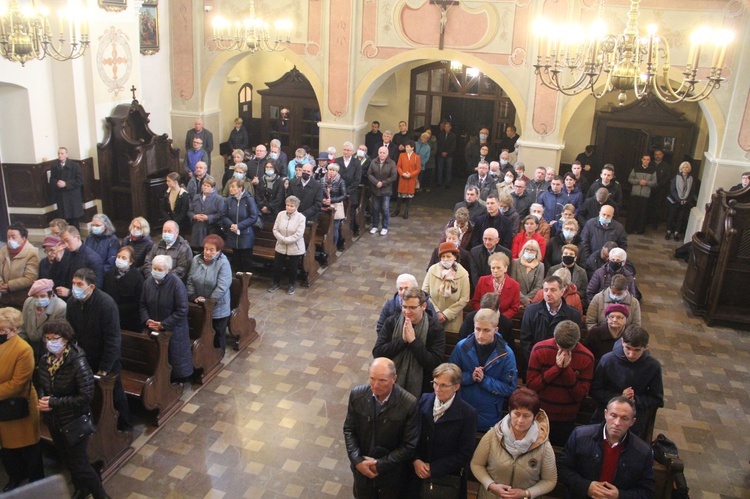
[(122, 264), (13, 244), (446, 263), (360, 153), (529, 256)]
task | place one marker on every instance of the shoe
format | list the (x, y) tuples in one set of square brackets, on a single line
[(395, 213), (676, 236), (273, 288), (406, 215), (383, 232), (11, 485), (373, 230), (668, 236), (305, 283), (290, 289), (427, 189)]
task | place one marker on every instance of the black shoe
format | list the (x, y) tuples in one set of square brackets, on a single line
[(305, 283), (273, 287), (395, 213), (406, 215), (676, 236), (668, 236), (290, 289), (11, 485)]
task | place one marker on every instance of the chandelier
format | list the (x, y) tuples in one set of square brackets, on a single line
[(250, 34), (25, 33), (572, 60)]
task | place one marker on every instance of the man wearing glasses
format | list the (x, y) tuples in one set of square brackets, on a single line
[(414, 340)]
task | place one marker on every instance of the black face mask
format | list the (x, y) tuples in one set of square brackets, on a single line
[(305, 176), (615, 266), (3, 338), (568, 260)]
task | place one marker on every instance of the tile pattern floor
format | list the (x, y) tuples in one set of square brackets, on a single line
[(270, 425)]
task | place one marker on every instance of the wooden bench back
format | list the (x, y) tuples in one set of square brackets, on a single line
[(139, 352)]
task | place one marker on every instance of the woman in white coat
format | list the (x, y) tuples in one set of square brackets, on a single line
[(289, 230)]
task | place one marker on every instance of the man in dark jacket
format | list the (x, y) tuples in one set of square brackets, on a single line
[(65, 181), (379, 452), (471, 202), (598, 231), (414, 340), (172, 244), (607, 180), (479, 254), (350, 170), (493, 218), (537, 185), (446, 148), (381, 175), (95, 318), (309, 192), (73, 255), (373, 138), (607, 460)]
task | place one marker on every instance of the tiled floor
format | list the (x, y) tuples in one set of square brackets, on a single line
[(270, 425)]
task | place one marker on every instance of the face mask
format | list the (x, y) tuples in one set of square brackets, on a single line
[(274, 156), (604, 221), (615, 298), (503, 162), (446, 264), (168, 237), (97, 229), (136, 233), (270, 173), (330, 156), (615, 266), (55, 346), (78, 293), (42, 302), (159, 276), (122, 264), (568, 259), (3, 338), (529, 256), (504, 210), (508, 180), (482, 137), (537, 216), (494, 174), (360, 153), (14, 245), (239, 175), (568, 234), (305, 176)]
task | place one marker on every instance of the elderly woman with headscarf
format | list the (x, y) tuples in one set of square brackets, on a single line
[(102, 239), (334, 192), (447, 282), (528, 270), (164, 307), (40, 307), (124, 283), (19, 266), (20, 452), (683, 192)]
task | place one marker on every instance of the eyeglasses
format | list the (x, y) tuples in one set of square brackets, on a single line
[(440, 386), (612, 317)]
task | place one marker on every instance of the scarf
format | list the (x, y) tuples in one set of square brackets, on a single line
[(684, 186), (498, 286), (54, 363), (529, 265), (14, 252), (438, 408), (330, 181), (449, 284), (516, 447), (410, 371)]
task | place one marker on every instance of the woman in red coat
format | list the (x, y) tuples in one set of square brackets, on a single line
[(530, 231), (501, 283), (409, 165)]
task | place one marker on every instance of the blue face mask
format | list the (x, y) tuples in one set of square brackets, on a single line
[(42, 302), (504, 210), (529, 256), (55, 346), (614, 298), (168, 237), (239, 175), (568, 234), (604, 221), (273, 156), (97, 230), (159, 276), (78, 293), (482, 137)]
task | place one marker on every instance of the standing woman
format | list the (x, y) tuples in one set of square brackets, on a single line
[(447, 282), (124, 283), (66, 384), (409, 165), (426, 151), (102, 240), (240, 215), (40, 307), (139, 239), (175, 203), (211, 277), (334, 191), (528, 270), (269, 196), (289, 231), (206, 211), (19, 438), (514, 459), (683, 193)]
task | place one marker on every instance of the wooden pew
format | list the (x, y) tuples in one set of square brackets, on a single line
[(324, 235), (109, 448), (146, 373), (359, 216), (345, 229), (241, 325), (265, 244), (206, 358)]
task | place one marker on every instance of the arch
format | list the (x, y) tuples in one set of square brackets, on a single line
[(370, 83)]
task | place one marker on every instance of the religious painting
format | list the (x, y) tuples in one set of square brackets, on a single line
[(113, 5), (149, 29)]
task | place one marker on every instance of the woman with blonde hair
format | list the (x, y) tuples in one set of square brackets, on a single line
[(528, 270), (447, 282), (139, 239)]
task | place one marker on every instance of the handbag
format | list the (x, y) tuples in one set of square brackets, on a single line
[(14, 408), (78, 429), (446, 487), (339, 214)]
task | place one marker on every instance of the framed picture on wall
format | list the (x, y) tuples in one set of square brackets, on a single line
[(149, 28), (113, 5)]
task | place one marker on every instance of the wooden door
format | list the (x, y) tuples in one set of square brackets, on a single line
[(623, 148)]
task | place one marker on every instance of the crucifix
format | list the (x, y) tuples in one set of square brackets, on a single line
[(133, 89), (444, 6)]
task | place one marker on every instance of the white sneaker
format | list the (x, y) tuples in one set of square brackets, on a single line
[(373, 230), (383, 232)]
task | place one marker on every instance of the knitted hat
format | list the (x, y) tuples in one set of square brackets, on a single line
[(617, 307), (41, 286), (51, 241), (448, 247)]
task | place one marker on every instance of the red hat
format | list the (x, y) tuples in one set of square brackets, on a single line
[(448, 247), (617, 307), (51, 241)]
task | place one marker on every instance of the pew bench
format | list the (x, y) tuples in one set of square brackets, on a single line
[(241, 325), (324, 236), (146, 372), (206, 358), (109, 448), (345, 229)]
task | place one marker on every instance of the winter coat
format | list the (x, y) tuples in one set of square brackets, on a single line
[(104, 246), (533, 470), (211, 280), (16, 372), (594, 235), (182, 257), (126, 290), (31, 329), (96, 323), (69, 199), (70, 390), (538, 324), (451, 306), (602, 279), (413, 166), (338, 190), (510, 296), (553, 204), (167, 302), (72, 261), (614, 188), (310, 196), (270, 198), (553, 251), (500, 379), (289, 231), (141, 248), (352, 177), (244, 213), (382, 172), (597, 306), (639, 173), (19, 273), (574, 197), (213, 206)]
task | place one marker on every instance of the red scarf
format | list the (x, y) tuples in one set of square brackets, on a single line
[(14, 252)]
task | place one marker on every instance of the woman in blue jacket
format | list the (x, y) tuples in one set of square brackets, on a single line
[(102, 240), (240, 215)]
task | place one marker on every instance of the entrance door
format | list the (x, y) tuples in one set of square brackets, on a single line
[(464, 115), (623, 148)]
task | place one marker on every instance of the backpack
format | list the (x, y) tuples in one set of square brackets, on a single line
[(665, 451)]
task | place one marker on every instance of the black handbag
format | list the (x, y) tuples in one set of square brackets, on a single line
[(14, 408), (446, 487), (78, 429)]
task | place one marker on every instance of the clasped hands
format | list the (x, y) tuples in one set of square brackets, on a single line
[(603, 490), (506, 491), (478, 374), (153, 325), (368, 467), (563, 358), (408, 334)]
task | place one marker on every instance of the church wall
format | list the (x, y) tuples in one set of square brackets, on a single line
[(156, 99)]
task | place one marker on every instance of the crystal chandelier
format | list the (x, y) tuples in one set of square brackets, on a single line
[(25, 33), (571, 60), (250, 34)]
